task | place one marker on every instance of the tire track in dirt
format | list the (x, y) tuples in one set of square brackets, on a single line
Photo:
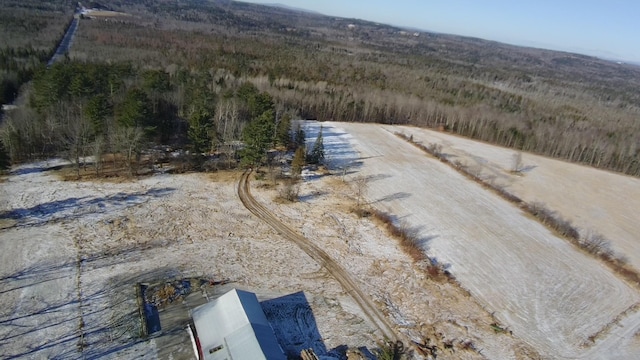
[(317, 254)]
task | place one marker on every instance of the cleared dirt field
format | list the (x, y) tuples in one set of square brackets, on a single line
[(548, 293)]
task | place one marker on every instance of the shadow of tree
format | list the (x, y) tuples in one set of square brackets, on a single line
[(93, 332), (311, 196), (51, 268), (84, 325), (391, 197), (77, 207), (34, 169), (376, 177), (118, 328)]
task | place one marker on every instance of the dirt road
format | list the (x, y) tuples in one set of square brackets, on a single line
[(321, 257)]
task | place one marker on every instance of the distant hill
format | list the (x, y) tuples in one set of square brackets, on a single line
[(95, 5), (566, 105), (293, 8)]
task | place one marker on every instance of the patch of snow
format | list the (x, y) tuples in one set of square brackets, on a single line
[(338, 152), (541, 287)]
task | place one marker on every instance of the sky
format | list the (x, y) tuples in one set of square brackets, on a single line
[(607, 29)]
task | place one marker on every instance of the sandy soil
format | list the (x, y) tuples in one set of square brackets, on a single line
[(549, 294)]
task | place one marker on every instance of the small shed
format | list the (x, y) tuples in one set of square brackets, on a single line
[(234, 327)]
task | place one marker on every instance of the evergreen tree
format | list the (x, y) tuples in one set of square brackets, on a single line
[(199, 131), (5, 160), (80, 85), (299, 137), (258, 135), (283, 137), (50, 86), (317, 153), (298, 162), (135, 110), (156, 81), (97, 110), (257, 103)]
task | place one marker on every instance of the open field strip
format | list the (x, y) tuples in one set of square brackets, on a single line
[(539, 285)]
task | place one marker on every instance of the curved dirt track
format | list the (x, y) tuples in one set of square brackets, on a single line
[(317, 254)]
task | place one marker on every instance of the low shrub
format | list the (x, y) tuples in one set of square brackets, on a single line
[(550, 218), (595, 243), (408, 236), (361, 211), (289, 191)]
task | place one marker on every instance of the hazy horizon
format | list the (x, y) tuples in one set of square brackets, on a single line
[(605, 29)]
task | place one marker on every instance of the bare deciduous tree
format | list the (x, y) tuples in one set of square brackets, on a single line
[(596, 244), (290, 190), (434, 148), (361, 187), (128, 141), (228, 123), (97, 148), (74, 135)]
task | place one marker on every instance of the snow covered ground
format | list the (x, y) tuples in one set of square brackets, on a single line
[(594, 200), (72, 252), (549, 294)]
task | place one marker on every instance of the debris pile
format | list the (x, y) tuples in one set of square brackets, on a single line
[(162, 294)]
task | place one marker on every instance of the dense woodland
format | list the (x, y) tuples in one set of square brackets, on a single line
[(30, 30), (80, 109), (205, 75)]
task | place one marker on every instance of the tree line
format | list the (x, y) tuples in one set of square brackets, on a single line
[(559, 105), (83, 109), (373, 75), (30, 31)]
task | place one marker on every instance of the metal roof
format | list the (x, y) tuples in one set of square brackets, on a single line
[(234, 327)]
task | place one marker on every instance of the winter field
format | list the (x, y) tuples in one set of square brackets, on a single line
[(561, 301), (594, 200), (71, 254)]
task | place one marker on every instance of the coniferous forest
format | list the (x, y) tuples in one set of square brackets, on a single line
[(204, 76)]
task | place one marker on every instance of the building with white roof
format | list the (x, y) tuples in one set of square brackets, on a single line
[(234, 327)]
